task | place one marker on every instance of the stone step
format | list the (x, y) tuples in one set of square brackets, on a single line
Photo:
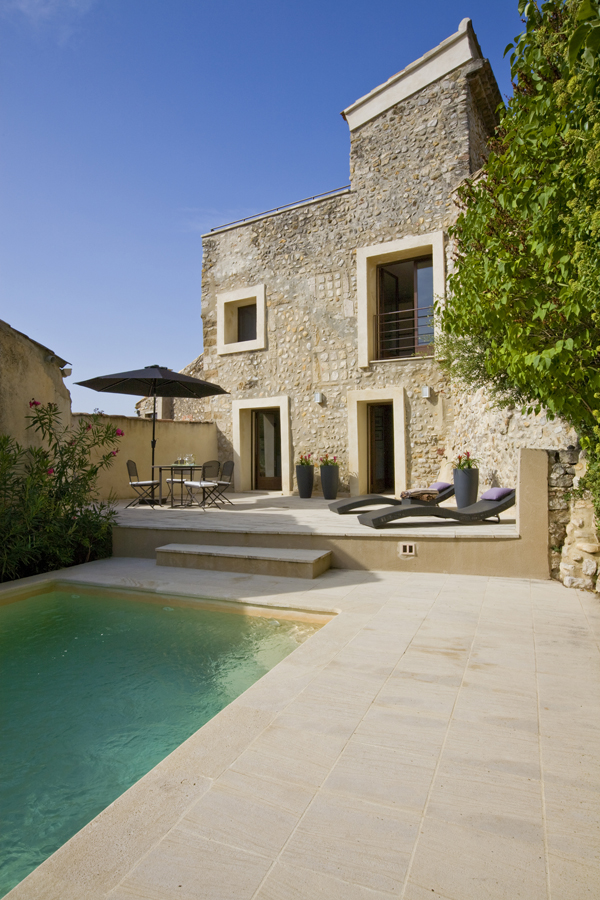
[(286, 563)]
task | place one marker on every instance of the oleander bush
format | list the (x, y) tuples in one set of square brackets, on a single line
[(50, 516)]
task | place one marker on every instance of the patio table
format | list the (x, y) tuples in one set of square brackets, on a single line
[(187, 474)]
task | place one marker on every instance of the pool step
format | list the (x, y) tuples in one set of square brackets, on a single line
[(283, 562)]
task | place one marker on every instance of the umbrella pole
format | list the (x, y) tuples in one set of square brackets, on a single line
[(153, 441)]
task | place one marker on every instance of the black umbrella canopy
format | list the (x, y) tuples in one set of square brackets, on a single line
[(153, 381)]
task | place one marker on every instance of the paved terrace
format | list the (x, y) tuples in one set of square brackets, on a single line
[(267, 513), (438, 738)]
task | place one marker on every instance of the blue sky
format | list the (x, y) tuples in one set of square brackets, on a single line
[(130, 127)]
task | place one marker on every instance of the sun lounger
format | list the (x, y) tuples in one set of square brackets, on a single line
[(345, 507), (491, 504)]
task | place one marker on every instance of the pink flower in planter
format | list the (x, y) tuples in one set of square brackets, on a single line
[(88, 427), (34, 403), (120, 433), (50, 471), (113, 452)]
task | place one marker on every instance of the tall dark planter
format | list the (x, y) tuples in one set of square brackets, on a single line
[(466, 484), (305, 476), (330, 477)]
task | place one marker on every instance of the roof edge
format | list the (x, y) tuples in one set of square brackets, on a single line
[(454, 51)]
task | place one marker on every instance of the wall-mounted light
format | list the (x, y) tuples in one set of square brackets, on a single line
[(319, 397), (426, 392), (66, 372)]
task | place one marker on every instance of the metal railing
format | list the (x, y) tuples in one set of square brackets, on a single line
[(268, 212), (401, 333)]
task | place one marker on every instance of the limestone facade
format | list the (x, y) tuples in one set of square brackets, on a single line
[(406, 161)]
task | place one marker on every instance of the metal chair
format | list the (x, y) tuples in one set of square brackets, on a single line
[(144, 489), (210, 470), (223, 483)]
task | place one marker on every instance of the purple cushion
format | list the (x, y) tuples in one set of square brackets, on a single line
[(439, 486), (497, 493)]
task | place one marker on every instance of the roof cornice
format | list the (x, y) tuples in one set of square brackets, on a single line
[(455, 51)]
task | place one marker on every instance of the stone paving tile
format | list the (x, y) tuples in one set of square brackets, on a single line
[(389, 776), (467, 864), (573, 878), (289, 882), (355, 841), (499, 803), (188, 867), (252, 814)]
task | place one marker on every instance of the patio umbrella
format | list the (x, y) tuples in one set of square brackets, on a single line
[(153, 381)]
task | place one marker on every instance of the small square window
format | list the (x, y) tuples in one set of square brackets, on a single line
[(241, 321)]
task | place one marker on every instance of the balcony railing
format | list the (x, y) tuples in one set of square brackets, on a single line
[(403, 333)]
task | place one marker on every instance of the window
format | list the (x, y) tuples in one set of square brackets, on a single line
[(404, 318), (397, 282), (241, 320), (246, 323)]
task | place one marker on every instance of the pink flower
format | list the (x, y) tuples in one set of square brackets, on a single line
[(120, 433), (113, 452), (50, 471), (88, 428), (34, 403)]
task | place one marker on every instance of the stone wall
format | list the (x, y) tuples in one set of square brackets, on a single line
[(404, 167), (495, 436)]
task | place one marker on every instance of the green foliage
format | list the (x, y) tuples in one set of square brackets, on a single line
[(49, 514), (523, 313)]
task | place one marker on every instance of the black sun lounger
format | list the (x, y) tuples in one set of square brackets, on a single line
[(477, 512), (345, 507)]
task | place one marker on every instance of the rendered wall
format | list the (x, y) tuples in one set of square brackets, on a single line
[(28, 371), (173, 439)]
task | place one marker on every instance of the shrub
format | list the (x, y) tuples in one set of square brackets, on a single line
[(50, 516)]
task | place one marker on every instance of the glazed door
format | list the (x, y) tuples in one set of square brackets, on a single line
[(381, 448), (267, 450)]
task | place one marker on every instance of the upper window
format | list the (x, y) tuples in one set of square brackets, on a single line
[(396, 283), (241, 320), (404, 318)]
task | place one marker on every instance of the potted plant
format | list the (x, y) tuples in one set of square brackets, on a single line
[(305, 475), (330, 476), (466, 480)]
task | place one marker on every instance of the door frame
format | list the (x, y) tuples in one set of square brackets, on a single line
[(242, 440), (358, 437)]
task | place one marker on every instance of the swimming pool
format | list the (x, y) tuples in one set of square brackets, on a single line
[(97, 690)]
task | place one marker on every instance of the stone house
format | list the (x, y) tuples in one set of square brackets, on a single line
[(318, 317)]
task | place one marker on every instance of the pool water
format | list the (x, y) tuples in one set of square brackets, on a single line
[(96, 690)]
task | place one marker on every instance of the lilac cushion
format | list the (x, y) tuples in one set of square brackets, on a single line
[(497, 493), (439, 486)]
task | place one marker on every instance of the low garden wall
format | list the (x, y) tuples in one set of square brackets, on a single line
[(173, 439)]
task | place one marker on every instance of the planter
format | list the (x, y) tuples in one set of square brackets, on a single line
[(305, 476), (330, 477), (466, 484)]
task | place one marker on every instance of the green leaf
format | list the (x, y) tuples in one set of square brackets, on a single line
[(576, 42), (593, 39), (587, 10)]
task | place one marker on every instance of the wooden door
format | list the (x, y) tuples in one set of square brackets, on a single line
[(267, 450), (381, 448)]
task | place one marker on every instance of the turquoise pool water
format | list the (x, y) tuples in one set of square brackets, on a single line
[(96, 690)]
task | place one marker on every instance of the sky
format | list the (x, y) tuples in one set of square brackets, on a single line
[(132, 127)]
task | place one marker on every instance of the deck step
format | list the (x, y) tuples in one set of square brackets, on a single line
[(283, 562)]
